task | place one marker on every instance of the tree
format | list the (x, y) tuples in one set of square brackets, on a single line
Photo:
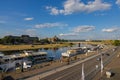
[(0, 41), (7, 40), (44, 41), (110, 42), (116, 42)]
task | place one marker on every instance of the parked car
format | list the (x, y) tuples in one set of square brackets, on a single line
[(108, 54)]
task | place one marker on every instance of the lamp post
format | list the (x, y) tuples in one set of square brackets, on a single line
[(101, 65), (83, 75), (2, 74), (68, 60), (22, 66)]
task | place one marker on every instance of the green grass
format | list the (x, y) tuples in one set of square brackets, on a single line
[(23, 47)]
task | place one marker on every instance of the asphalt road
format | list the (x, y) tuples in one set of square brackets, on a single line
[(74, 73)]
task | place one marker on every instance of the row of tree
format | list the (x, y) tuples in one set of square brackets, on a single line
[(17, 40), (112, 42), (10, 40), (116, 42)]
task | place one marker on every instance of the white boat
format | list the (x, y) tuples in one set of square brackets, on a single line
[(72, 52), (36, 56), (10, 61)]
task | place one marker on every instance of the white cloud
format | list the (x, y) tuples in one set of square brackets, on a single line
[(100, 14), (72, 6), (54, 10), (29, 18), (68, 34), (118, 2), (48, 25), (31, 32), (110, 29), (84, 28)]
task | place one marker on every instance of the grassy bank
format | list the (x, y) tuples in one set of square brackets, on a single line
[(23, 47)]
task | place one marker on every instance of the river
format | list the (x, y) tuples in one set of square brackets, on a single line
[(52, 52)]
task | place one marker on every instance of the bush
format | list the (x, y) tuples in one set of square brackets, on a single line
[(116, 42)]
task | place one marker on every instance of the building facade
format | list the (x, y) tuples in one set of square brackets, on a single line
[(25, 39)]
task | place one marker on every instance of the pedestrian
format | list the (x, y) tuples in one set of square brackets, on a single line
[(96, 66), (61, 60), (113, 49), (39, 78), (118, 55)]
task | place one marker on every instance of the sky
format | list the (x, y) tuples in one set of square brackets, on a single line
[(67, 19)]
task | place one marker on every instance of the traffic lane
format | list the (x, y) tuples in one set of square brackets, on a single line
[(61, 73), (76, 75), (105, 55), (88, 69), (89, 64), (59, 69), (69, 71)]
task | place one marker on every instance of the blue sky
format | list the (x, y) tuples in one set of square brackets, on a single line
[(67, 19)]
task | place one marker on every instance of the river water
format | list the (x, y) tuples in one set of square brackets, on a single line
[(54, 52)]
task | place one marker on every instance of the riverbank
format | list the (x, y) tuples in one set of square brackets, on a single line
[(28, 47)]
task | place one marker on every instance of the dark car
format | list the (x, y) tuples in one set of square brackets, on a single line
[(108, 54)]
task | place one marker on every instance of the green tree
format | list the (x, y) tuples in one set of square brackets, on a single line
[(44, 41), (109, 42), (0, 41), (116, 42), (7, 40)]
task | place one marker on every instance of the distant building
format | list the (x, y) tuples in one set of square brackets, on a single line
[(26, 39), (54, 39), (88, 40)]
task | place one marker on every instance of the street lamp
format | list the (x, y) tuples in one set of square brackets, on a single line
[(83, 74), (22, 70), (101, 65), (2, 73)]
